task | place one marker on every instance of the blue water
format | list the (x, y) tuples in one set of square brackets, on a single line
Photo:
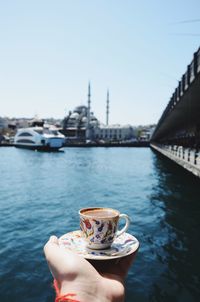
[(41, 193)]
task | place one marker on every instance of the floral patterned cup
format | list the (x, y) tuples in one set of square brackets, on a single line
[(100, 226)]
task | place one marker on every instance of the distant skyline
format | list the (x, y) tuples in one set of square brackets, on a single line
[(138, 50)]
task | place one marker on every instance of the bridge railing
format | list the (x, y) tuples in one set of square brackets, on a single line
[(188, 155), (193, 69), (198, 61)]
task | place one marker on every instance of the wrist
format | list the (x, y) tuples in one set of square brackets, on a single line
[(62, 295), (71, 293)]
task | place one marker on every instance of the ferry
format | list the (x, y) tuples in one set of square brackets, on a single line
[(39, 138)]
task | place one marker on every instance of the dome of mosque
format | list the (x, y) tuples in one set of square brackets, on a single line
[(93, 118), (81, 123), (84, 119), (80, 109), (74, 115)]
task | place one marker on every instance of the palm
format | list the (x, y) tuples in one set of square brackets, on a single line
[(95, 277), (113, 273)]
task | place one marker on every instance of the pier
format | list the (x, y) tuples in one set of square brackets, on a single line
[(177, 134)]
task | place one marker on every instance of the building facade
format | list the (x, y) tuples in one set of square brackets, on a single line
[(114, 133), (76, 128), (81, 125)]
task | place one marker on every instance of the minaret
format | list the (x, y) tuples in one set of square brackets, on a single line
[(107, 108), (88, 114)]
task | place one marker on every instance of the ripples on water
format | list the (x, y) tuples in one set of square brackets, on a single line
[(41, 193)]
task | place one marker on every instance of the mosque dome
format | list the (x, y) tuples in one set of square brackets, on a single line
[(81, 109), (74, 115), (93, 118), (84, 119)]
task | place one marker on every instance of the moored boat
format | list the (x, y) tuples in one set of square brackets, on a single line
[(39, 138)]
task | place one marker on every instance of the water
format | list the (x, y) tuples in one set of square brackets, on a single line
[(41, 193)]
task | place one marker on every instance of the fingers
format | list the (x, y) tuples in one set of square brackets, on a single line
[(61, 261), (51, 246), (65, 264), (52, 242), (54, 256), (53, 239)]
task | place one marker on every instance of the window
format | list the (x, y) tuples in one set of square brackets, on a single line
[(39, 131), (55, 132), (25, 134), (26, 141)]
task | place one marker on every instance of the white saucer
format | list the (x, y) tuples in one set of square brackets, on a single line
[(122, 246)]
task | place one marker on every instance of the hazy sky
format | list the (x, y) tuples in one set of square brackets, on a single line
[(50, 50)]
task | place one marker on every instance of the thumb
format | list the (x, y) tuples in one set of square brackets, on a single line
[(51, 246), (53, 239), (52, 254)]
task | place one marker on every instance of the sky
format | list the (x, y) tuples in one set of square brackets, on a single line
[(51, 50)]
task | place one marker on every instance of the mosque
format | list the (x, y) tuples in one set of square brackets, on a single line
[(81, 125)]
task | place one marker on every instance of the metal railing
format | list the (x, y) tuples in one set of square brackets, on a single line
[(193, 70), (188, 155)]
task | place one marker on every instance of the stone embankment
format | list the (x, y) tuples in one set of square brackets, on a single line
[(93, 144), (109, 144), (6, 145), (188, 158)]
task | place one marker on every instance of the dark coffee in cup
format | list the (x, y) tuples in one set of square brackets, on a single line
[(101, 213)]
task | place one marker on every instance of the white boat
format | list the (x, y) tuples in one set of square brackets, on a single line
[(39, 138)]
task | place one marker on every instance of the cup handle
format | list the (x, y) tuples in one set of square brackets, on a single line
[(125, 228)]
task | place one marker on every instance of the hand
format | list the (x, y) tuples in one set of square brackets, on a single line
[(97, 281)]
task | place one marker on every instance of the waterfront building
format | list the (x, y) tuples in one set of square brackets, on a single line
[(82, 125), (3, 123), (79, 125), (16, 123), (75, 124), (75, 127), (109, 133), (146, 133)]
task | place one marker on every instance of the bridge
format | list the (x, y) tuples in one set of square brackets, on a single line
[(177, 134)]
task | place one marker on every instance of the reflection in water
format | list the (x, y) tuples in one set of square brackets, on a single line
[(178, 195), (41, 193)]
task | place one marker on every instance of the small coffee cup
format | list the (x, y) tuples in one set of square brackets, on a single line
[(100, 226)]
